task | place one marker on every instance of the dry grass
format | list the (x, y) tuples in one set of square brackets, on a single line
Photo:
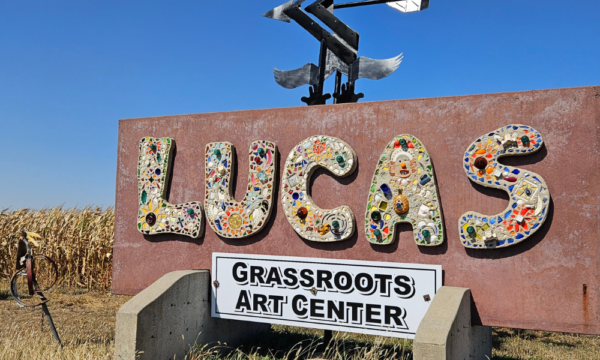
[(85, 323), (79, 240)]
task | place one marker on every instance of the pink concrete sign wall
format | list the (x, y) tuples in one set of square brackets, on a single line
[(548, 282)]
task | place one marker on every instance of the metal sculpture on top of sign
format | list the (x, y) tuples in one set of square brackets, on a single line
[(338, 50), (529, 194)]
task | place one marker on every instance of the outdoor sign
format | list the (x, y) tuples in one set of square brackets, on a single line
[(376, 298), (425, 181)]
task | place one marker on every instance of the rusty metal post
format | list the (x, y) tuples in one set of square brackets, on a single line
[(51, 323)]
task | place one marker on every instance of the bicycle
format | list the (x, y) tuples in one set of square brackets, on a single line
[(35, 275)]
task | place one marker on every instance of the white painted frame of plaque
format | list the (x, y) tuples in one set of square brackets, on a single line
[(395, 309)]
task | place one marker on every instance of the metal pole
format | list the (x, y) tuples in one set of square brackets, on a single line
[(322, 65), (338, 85), (327, 336), (51, 323)]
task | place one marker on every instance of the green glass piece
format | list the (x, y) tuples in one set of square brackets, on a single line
[(403, 142), (144, 196), (153, 148), (426, 234), (377, 233), (339, 159), (217, 153), (376, 216), (471, 230), (158, 157), (335, 224), (261, 151)]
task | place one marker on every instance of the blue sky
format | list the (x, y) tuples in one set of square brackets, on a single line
[(69, 70)]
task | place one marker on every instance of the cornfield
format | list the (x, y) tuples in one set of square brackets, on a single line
[(79, 240)]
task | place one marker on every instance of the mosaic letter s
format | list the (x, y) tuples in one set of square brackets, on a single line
[(227, 217), (404, 190), (529, 194), (156, 215), (307, 219)]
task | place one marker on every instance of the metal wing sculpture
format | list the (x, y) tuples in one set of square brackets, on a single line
[(338, 49), (362, 68)]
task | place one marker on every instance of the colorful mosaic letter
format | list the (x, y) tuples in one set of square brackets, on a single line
[(404, 190), (307, 219), (227, 217), (156, 215), (529, 194)]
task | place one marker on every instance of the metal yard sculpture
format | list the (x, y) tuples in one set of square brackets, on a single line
[(35, 275), (338, 50)]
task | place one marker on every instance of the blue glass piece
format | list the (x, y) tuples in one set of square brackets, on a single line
[(295, 196), (464, 218), (470, 216), (387, 192), (497, 183), (520, 236), (526, 232), (489, 182), (537, 179), (510, 241), (474, 177), (466, 159), (425, 179), (515, 127), (516, 171), (510, 188), (467, 167), (218, 225), (491, 134), (462, 236), (492, 221), (468, 243), (157, 171), (507, 215), (225, 163), (535, 226), (373, 226), (514, 205), (484, 220), (501, 242), (257, 189)]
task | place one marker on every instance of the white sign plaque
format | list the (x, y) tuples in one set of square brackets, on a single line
[(377, 298)]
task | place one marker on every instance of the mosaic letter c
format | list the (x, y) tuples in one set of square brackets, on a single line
[(308, 220)]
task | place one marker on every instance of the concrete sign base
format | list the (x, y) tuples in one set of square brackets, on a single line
[(446, 332), (166, 319)]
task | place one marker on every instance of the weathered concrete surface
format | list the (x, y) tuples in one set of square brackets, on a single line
[(537, 284), (446, 332), (170, 316)]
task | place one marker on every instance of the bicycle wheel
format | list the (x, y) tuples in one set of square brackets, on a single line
[(19, 289), (45, 272)]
